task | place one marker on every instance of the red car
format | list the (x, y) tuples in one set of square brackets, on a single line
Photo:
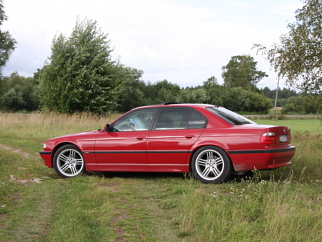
[(209, 141)]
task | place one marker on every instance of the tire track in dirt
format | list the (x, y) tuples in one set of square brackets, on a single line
[(35, 157), (20, 152)]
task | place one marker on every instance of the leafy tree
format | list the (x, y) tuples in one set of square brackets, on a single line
[(132, 91), (282, 93), (80, 75), (287, 93), (281, 102), (241, 71), (213, 91), (20, 94), (268, 92), (7, 43), (298, 57), (239, 99), (304, 104), (197, 95), (161, 92), (210, 83)]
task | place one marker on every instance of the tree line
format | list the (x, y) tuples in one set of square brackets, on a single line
[(81, 76), (20, 93)]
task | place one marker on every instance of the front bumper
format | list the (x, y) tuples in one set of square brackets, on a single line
[(46, 155)]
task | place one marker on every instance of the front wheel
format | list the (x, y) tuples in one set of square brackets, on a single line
[(211, 164), (68, 161)]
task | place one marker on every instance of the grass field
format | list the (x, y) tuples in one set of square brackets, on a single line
[(37, 205), (312, 126)]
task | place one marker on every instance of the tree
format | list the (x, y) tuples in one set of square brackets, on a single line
[(213, 91), (298, 57), (7, 43), (19, 93), (132, 93), (80, 75), (239, 99), (283, 94), (196, 95), (210, 83), (161, 92), (241, 71), (304, 104)]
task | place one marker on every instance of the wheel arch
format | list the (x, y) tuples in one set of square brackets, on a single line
[(61, 145), (225, 166), (202, 145)]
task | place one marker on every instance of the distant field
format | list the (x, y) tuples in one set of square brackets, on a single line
[(313, 126)]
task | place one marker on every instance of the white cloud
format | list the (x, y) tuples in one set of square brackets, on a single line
[(240, 4), (184, 44)]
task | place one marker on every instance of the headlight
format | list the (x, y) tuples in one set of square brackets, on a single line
[(44, 145)]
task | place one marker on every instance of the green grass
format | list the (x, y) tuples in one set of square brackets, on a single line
[(313, 126), (37, 205)]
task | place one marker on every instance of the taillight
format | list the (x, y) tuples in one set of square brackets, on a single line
[(268, 138)]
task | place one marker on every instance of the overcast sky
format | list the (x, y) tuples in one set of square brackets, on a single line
[(183, 41)]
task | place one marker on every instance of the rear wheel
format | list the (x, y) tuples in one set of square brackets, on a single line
[(68, 161), (211, 164)]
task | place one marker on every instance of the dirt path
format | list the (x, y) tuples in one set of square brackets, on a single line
[(25, 155), (20, 152)]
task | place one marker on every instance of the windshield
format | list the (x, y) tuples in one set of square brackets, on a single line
[(230, 116)]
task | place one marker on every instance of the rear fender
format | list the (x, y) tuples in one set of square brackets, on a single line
[(203, 143)]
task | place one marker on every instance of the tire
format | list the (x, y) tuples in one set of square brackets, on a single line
[(211, 164), (68, 161)]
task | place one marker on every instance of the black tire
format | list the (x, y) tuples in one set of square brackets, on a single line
[(68, 161), (211, 164)]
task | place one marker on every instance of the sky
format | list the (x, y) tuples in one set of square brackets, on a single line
[(182, 41)]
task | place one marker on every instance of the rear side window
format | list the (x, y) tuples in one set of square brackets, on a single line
[(196, 121), (230, 116), (180, 118)]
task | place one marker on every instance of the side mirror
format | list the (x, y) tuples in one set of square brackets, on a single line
[(107, 127)]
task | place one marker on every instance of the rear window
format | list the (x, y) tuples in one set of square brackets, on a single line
[(230, 116)]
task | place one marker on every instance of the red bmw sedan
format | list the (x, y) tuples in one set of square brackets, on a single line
[(210, 141)]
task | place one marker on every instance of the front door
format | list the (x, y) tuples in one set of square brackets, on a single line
[(123, 148)]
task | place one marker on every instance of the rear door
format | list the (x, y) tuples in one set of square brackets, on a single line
[(175, 131)]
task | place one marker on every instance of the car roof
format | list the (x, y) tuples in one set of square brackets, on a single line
[(177, 105)]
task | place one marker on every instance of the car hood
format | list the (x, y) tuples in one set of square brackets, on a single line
[(86, 133)]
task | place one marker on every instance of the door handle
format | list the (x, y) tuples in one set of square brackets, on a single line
[(140, 138), (189, 136)]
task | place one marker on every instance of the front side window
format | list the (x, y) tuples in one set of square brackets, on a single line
[(139, 120)]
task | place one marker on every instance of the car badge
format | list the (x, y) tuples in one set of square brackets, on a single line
[(284, 130)]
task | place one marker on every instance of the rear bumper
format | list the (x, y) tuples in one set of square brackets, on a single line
[(244, 160)]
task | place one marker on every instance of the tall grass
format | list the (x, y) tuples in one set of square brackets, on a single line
[(252, 211), (31, 128), (36, 205)]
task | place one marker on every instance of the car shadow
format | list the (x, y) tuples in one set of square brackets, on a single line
[(140, 175)]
